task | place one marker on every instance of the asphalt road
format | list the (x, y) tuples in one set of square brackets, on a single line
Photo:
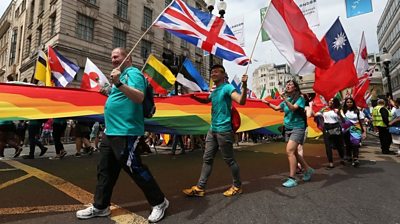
[(50, 191)]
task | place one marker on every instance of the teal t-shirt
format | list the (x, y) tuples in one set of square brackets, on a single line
[(221, 108), (293, 119), (122, 116), (3, 122)]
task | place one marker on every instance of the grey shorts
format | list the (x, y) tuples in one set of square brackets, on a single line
[(296, 135)]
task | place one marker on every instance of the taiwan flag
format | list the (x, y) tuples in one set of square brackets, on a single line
[(342, 74)]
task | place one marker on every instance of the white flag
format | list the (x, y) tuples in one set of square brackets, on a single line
[(362, 57), (93, 79)]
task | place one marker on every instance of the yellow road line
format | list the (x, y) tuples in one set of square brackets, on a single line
[(8, 169), (119, 214), (14, 181), (39, 209)]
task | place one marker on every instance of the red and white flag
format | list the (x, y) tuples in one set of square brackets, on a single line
[(289, 31), (93, 79), (362, 57)]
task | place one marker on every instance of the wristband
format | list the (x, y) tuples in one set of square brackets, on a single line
[(119, 84)]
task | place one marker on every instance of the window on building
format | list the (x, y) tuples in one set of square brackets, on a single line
[(32, 11), (167, 35), (119, 38), (28, 46), (85, 27), (147, 17), (145, 49), (53, 24), (23, 5), (122, 8), (13, 47), (167, 2), (41, 6), (184, 43), (92, 2), (39, 35)]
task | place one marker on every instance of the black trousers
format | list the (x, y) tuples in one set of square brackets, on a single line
[(58, 130), (33, 133), (385, 138), (119, 152), (333, 142)]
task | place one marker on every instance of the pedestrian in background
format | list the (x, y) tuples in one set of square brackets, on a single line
[(380, 118), (295, 123), (59, 126), (124, 120), (354, 130), (220, 136)]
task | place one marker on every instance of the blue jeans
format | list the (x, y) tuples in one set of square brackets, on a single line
[(224, 142)]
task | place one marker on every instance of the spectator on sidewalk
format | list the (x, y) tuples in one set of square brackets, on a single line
[(124, 121), (220, 136)]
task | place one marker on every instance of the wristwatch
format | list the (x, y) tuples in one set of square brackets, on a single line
[(119, 84)]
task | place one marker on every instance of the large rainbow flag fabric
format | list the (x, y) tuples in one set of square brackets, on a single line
[(174, 115)]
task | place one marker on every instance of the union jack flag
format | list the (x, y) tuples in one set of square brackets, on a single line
[(202, 29)]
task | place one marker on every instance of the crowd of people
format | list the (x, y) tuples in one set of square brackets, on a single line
[(123, 138)]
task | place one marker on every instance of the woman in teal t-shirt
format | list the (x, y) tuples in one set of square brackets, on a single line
[(295, 123)]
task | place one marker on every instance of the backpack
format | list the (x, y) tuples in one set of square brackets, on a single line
[(149, 107), (235, 119)]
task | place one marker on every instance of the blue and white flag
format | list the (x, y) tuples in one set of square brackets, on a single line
[(237, 84), (189, 77), (358, 7)]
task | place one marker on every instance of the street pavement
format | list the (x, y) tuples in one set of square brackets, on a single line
[(50, 191)]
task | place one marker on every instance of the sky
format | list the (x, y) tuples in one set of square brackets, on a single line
[(266, 52)]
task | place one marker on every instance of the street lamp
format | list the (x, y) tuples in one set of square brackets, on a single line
[(221, 8), (386, 58), (210, 7)]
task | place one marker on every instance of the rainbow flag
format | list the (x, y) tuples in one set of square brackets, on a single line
[(174, 115)]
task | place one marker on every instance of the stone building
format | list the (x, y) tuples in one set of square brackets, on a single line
[(87, 28), (271, 76)]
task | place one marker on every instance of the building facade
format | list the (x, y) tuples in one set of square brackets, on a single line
[(81, 29), (270, 76), (388, 31)]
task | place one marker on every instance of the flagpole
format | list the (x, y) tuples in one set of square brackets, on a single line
[(141, 37), (255, 42)]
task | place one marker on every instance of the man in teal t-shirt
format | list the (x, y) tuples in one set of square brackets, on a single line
[(220, 136), (124, 120)]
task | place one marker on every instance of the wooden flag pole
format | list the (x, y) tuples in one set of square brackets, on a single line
[(255, 42)]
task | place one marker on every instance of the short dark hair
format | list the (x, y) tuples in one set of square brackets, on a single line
[(217, 66)]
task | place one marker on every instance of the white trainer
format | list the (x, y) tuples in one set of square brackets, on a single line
[(91, 212), (158, 211)]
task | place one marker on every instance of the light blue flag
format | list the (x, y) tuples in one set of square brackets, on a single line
[(358, 7)]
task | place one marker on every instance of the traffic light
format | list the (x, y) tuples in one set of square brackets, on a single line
[(170, 61)]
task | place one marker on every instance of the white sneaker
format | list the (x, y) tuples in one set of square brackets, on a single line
[(91, 212), (158, 211)]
